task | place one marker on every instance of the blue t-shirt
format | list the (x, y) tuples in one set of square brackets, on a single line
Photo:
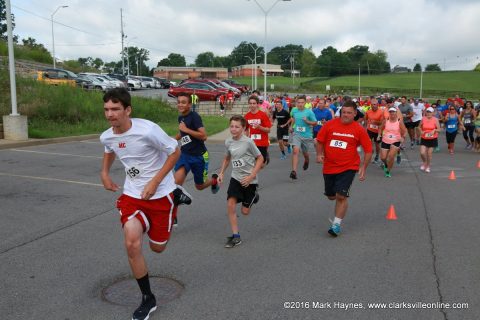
[(321, 114), (189, 144), (451, 125), (301, 127)]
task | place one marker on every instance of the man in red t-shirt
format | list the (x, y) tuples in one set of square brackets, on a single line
[(337, 150), (258, 127)]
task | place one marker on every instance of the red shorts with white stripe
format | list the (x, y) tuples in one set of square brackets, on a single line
[(155, 215)]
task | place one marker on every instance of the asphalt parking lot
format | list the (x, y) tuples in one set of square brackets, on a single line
[(61, 243)]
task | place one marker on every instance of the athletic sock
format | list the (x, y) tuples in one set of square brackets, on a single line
[(236, 235), (337, 221), (144, 284)]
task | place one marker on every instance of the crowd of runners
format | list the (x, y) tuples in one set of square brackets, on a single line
[(347, 134)]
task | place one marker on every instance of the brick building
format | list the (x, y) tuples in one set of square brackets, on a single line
[(180, 73), (246, 70)]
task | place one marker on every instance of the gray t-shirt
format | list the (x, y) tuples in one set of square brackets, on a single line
[(405, 109), (243, 153)]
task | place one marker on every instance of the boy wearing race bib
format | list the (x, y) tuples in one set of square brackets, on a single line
[(337, 150), (150, 197), (194, 156), (302, 121), (246, 161), (282, 117), (258, 127)]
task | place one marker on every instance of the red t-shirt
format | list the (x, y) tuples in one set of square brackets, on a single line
[(259, 137), (340, 143)]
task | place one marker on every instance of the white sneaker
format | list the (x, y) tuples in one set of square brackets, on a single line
[(422, 167), (427, 170)]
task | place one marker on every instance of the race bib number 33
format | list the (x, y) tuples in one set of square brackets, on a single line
[(338, 144), (238, 163)]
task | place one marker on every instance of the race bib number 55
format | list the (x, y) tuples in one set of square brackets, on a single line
[(338, 144)]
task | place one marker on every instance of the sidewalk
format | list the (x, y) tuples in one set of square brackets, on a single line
[(9, 144)]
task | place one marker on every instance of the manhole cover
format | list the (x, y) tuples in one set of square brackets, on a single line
[(125, 292)]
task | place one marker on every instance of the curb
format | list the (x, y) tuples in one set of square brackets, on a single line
[(8, 144)]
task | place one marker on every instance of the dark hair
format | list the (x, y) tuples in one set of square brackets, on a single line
[(302, 96), (240, 119), (118, 95), (471, 103), (404, 97), (256, 91), (254, 98), (184, 94), (351, 104)]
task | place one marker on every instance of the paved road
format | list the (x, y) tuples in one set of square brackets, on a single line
[(61, 243)]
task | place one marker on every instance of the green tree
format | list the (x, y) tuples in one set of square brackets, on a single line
[(417, 67), (173, 60), (97, 63), (282, 55), (308, 62), (3, 22), (477, 67), (239, 54), (205, 59), (433, 67)]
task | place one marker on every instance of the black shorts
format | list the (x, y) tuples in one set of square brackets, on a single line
[(416, 124), (339, 183), (409, 125), (244, 195), (264, 152), (387, 145), (451, 136), (372, 135), (282, 134), (430, 143)]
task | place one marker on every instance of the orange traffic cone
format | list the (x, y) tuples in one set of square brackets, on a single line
[(391, 215), (452, 176), (478, 164)]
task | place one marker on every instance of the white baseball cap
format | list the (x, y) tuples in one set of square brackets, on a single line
[(392, 109), (429, 109)]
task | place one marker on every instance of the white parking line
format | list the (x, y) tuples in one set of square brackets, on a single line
[(57, 154), (50, 179)]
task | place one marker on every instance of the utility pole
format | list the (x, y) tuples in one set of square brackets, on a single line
[(123, 36), (359, 81)]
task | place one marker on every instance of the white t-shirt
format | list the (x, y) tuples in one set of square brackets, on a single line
[(417, 111), (143, 150)]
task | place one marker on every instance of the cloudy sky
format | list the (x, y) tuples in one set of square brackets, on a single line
[(425, 31)]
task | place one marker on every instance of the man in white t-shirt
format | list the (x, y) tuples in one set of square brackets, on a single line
[(418, 109), (150, 197)]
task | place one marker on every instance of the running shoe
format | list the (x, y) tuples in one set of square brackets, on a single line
[(181, 196), (334, 230), (293, 175), (450, 151), (283, 157), (399, 158), (467, 146), (149, 304), (257, 197), (422, 167), (289, 149), (215, 185), (305, 165), (417, 142), (175, 222), (437, 149), (412, 144), (427, 169), (388, 174), (233, 242), (376, 159)]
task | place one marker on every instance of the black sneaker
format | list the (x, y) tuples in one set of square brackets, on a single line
[(305, 165), (376, 159), (181, 196), (233, 242), (149, 304), (293, 175), (257, 197), (215, 186), (175, 222), (399, 158)]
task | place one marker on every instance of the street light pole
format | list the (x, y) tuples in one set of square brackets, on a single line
[(53, 35), (265, 45), (255, 54), (251, 63)]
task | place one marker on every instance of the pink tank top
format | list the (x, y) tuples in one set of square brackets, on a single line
[(428, 125), (391, 132)]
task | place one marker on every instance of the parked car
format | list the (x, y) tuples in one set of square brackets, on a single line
[(243, 87), (117, 83), (202, 90), (164, 83), (134, 83), (147, 82), (98, 83), (208, 82), (57, 77), (120, 77)]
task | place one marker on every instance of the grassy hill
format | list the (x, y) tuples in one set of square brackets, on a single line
[(435, 84)]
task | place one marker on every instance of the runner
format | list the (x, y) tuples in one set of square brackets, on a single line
[(246, 162), (452, 123), (429, 128), (407, 115), (467, 117), (282, 117), (149, 200), (374, 118), (337, 150), (194, 156), (230, 99), (322, 114), (302, 121), (418, 109), (258, 128), (392, 134)]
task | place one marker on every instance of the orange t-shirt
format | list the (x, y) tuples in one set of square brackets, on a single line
[(374, 119), (259, 137), (427, 126)]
